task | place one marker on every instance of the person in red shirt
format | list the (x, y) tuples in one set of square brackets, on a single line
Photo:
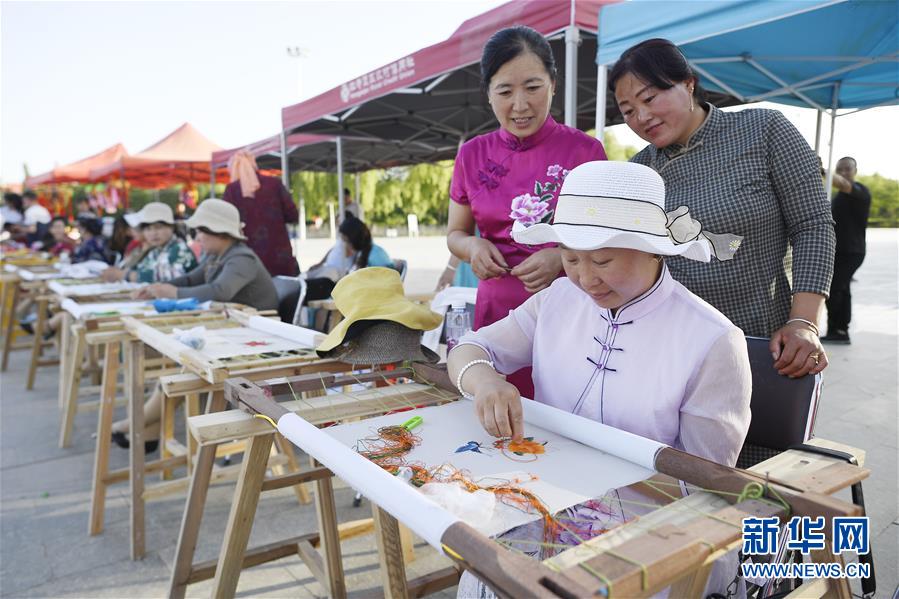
[(265, 209)]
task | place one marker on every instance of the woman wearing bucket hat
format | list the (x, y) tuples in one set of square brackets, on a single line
[(167, 256), (229, 272), (618, 340), (750, 173), (514, 171)]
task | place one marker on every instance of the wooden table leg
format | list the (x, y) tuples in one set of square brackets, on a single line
[(104, 430), (71, 383), (191, 408), (166, 432), (94, 361), (390, 554), (326, 512), (37, 346), (240, 520), (134, 375), (190, 522), (9, 333), (65, 361), (286, 448)]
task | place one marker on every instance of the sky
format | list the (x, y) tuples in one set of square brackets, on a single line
[(78, 77)]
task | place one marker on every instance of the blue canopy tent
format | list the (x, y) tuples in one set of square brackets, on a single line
[(822, 54)]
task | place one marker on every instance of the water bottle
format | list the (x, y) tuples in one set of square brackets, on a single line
[(457, 324)]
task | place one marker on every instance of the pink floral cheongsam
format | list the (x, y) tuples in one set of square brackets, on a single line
[(498, 176)]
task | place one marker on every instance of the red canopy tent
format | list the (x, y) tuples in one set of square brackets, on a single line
[(430, 101), (181, 157), (78, 172)]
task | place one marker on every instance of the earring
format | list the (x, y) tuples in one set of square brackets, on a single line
[(691, 100)]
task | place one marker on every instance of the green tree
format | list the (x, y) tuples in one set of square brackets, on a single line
[(884, 200)]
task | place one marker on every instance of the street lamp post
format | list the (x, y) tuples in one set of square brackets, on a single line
[(298, 53)]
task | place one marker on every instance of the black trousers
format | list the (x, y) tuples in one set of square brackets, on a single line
[(839, 304)]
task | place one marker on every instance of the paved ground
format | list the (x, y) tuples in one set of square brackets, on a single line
[(44, 491)]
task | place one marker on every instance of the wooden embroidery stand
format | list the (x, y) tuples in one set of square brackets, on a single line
[(84, 334), (676, 544), (48, 296), (209, 430), (209, 373), (14, 290)]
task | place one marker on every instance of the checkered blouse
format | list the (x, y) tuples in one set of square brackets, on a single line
[(752, 174)]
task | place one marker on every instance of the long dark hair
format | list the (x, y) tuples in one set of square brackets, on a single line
[(359, 237), (508, 44), (121, 235), (657, 62)]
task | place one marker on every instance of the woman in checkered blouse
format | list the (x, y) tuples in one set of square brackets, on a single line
[(749, 174)]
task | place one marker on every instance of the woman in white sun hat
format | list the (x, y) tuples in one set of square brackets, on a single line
[(167, 256), (229, 272), (617, 340)]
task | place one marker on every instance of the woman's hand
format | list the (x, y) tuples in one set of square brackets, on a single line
[(539, 270), (487, 261), (112, 274), (156, 291), (498, 406), (446, 279), (797, 351)]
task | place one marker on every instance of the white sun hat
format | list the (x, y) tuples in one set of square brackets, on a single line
[(609, 204), (154, 212), (219, 217)]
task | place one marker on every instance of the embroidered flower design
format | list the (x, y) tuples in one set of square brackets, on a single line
[(487, 181), (735, 244), (496, 168), (529, 210), (554, 171), (494, 171)]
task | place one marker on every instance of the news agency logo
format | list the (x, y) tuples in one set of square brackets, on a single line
[(761, 536)]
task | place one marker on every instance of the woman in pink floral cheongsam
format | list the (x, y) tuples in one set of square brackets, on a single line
[(513, 173)]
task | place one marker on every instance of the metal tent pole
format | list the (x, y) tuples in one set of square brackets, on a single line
[(818, 133), (357, 197), (833, 126), (211, 179), (340, 204), (572, 37), (602, 72)]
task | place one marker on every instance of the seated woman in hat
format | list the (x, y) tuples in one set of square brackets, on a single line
[(617, 340), (167, 256), (229, 272)]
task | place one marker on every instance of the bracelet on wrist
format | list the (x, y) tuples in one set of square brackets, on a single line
[(462, 372), (812, 326), (450, 267)]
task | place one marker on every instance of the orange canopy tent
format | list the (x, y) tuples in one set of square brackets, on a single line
[(78, 172), (181, 157)]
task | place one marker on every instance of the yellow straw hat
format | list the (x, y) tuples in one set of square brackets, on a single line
[(375, 293)]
